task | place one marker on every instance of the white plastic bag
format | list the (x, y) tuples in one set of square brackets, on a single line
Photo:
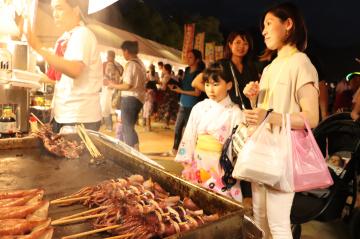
[(264, 156)]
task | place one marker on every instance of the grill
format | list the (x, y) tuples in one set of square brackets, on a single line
[(25, 164)]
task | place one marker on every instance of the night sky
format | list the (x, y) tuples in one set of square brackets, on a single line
[(331, 22), (333, 25)]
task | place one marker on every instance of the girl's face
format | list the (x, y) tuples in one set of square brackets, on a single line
[(239, 47), (217, 90), (275, 31)]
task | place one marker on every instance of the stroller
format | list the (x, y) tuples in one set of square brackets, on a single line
[(337, 136)]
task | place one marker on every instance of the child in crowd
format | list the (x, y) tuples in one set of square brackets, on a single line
[(148, 107), (210, 124)]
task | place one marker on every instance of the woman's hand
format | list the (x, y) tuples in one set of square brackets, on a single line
[(252, 90), (255, 116), (174, 88)]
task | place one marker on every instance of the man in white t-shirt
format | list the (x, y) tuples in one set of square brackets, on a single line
[(132, 91), (112, 71), (77, 66)]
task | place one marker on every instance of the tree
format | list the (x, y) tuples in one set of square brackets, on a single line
[(145, 21), (211, 26)]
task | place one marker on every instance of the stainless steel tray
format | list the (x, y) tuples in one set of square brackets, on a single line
[(24, 163)]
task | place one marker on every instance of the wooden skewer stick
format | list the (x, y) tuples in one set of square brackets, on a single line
[(81, 213), (66, 197), (82, 234), (69, 200), (87, 138), (38, 120), (76, 219), (86, 144), (121, 236)]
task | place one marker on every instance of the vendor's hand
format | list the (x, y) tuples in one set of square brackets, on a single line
[(32, 39), (255, 116), (252, 90), (247, 203)]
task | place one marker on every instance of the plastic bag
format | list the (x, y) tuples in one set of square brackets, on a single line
[(309, 167), (263, 157)]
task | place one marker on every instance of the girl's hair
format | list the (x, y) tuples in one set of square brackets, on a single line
[(198, 56), (131, 46), (215, 72), (298, 33)]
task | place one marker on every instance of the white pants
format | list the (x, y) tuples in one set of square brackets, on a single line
[(105, 101), (272, 211)]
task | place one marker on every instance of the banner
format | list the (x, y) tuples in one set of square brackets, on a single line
[(219, 52), (199, 42), (189, 31), (209, 52)]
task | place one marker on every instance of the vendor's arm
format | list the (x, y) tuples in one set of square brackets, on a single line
[(198, 83), (70, 68)]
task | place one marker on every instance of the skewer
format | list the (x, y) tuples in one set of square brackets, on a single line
[(82, 234), (69, 200), (121, 236), (87, 141), (38, 120), (87, 138), (83, 139), (81, 213), (76, 219)]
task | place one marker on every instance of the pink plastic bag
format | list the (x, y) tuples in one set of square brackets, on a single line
[(309, 167)]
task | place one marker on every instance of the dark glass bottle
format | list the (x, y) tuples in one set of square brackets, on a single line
[(7, 123)]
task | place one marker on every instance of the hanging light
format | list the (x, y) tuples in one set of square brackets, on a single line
[(96, 5)]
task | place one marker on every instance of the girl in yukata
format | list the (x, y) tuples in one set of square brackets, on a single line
[(210, 124)]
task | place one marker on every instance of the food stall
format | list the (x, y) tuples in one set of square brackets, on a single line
[(25, 164)]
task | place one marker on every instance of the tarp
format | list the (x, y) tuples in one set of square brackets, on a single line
[(108, 37)]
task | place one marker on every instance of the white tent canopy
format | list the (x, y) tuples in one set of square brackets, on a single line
[(108, 38)]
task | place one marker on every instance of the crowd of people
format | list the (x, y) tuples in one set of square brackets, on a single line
[(239, 89)]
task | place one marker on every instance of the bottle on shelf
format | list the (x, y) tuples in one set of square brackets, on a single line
[(7, 123)]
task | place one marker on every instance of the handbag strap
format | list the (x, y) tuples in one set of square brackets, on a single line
[(236, 85), (226, 164)]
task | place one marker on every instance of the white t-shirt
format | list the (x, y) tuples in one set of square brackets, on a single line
[(78, 100), (135, 75), (285, 76)]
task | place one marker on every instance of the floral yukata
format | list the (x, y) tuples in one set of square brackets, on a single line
[(209, 125)]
